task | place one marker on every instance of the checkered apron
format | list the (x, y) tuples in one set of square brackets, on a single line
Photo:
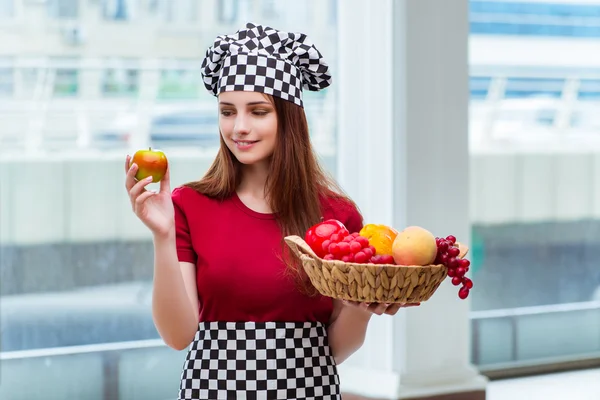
[(260, 361)]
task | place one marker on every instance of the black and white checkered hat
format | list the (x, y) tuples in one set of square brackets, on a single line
[(262, 59)]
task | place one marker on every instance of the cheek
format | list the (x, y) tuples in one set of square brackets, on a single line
[(225, 126), (270, 129)]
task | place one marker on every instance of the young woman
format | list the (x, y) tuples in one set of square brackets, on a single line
[(224, 283)]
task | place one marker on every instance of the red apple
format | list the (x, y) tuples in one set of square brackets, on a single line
[(150, 163)]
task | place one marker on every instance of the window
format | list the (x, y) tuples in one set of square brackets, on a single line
[(120, 82), (180, 84), (532, 187), (589, 89), (66, 82), (536, 9), (63, 8), (83, 275), (479, 87), (118, 10), (6, 78), (7, 9), (534, 87), (534, 19)]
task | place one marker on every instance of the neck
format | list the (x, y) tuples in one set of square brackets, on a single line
[(254, 179)]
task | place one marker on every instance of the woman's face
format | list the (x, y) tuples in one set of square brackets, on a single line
[(248, 124)]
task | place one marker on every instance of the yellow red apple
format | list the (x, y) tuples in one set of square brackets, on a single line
[(414, 246), (150, 163)]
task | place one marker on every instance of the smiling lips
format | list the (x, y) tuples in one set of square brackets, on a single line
[(244, 144)]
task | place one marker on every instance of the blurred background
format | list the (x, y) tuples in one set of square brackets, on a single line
[(85, 82)]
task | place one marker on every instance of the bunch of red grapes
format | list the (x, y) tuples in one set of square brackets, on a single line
[(457, 267), (352, 248)]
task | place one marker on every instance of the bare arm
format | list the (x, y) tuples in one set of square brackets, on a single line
[(175, 297), (174, 294), (347, 330)]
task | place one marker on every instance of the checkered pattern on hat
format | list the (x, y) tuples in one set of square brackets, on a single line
[(268, 360), (263, 59)]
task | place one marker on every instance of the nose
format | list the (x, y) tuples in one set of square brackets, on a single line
[(241, 127)]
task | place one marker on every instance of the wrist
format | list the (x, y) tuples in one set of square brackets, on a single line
[(166, 236)]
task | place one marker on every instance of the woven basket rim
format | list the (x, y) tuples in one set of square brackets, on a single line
[(303, 251)]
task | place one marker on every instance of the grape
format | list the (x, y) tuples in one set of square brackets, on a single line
[(348, 258), (457, 268), (364, 242), (387, 259), (453, 251), (360, 257), (344, 248), (334, 249), (452, 262), (355, 247)]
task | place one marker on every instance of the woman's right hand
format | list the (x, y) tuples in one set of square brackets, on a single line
[(154, 209)]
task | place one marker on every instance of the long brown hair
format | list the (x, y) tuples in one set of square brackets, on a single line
[(296, 186)]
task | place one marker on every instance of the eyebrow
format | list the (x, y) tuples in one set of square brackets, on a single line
[(248, 104)]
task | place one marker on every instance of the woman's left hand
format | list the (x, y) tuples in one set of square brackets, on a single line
[(379, 308)]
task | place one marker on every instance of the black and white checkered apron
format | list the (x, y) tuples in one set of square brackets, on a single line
[(260, 361)]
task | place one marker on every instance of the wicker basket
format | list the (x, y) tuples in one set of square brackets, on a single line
[(372, 283)]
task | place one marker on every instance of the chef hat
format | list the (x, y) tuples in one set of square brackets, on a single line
[(262, 59)]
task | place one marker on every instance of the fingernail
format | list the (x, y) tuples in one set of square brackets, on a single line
[(149, 178)]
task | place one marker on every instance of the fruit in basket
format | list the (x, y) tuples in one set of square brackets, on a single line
[(330, 240), (449, 254), (150, 163), (380, 236), (414, 246), (319, 236)]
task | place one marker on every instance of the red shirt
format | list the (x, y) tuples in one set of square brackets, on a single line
[(235, 249)]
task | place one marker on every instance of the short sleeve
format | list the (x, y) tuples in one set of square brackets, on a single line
[(353, 220), (345, 212), (183, 239)]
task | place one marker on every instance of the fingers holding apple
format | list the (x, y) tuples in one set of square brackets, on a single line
[(153, 208), (165, 182)]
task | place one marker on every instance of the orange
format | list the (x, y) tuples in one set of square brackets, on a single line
[(380, 236)]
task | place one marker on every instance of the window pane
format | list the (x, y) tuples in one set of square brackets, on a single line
[(77, 265), (534, 151)]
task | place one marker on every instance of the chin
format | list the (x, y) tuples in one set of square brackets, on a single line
[(250, 159)]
